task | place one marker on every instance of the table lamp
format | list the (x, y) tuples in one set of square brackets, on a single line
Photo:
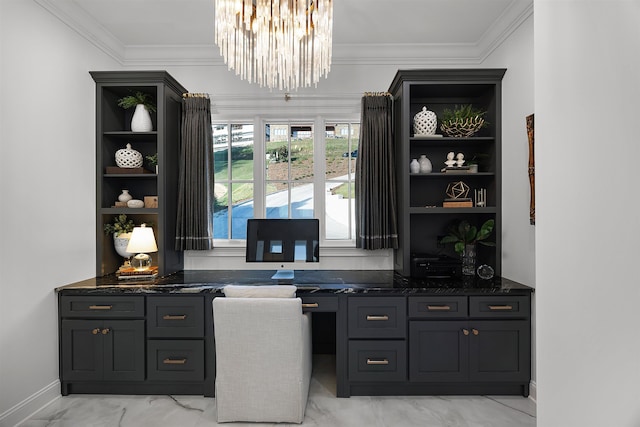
[(141, 242)]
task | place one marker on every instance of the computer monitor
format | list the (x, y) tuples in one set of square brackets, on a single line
[(282, 242)]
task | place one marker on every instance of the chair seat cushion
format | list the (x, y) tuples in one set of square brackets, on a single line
[(260, 291)]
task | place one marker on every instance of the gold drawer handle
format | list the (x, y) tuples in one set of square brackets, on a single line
[(100, 307), (310, 305), (500, 307), (174, 361), (385, 317), (377, 362), (174, 317), (465, 331), (439, 307)]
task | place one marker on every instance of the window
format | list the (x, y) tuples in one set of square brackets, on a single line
[(234, 181), (299, 173)]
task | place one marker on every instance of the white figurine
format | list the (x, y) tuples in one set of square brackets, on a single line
[(450, 162), (460, 160)]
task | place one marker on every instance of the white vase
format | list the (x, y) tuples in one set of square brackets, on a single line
[(120, 243), (141, 121), (414, 166), (125, 196), (425, 164)]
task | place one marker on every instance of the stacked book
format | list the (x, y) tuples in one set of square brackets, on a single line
[(128, 273)]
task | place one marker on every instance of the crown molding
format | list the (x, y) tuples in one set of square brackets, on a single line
[(403, 54)]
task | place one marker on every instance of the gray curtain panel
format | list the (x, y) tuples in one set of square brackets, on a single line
[(194, 228), (376, 214)]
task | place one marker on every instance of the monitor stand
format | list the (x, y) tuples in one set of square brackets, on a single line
[(283, 276)]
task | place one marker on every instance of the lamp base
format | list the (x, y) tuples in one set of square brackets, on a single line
[(141, 262)]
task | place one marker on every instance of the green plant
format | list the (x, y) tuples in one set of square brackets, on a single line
[(463, 233), (153, 160), (120, 225), (462, 112), (145, 99)]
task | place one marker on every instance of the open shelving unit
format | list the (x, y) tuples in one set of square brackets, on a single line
[(422, 219), (113, 132)]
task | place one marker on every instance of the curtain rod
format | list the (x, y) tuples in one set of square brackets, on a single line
[(377, 94), (195, 95)]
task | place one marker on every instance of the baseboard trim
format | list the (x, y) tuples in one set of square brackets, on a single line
[(533, 391), (20, 412)]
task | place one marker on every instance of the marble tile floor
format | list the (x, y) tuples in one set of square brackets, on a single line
[(323, 409)]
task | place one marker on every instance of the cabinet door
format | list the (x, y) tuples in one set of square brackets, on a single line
[(438, 351), (81, 350), (123, 350), (500, 351)]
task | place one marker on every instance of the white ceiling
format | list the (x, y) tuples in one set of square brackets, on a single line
[(146, 32)]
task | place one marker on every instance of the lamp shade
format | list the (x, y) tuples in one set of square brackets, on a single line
[(142, 240)]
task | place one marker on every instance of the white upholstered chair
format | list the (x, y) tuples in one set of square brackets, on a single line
[(263, 354)]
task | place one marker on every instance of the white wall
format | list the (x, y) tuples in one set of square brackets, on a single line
[(47, 191), (518, 235), (586, 101)]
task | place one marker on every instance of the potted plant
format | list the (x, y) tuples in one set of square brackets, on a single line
[(121, 228), (462, 121), (465, 236), (143, 103)]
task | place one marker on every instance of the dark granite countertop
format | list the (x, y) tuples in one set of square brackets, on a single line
[(307, 281)]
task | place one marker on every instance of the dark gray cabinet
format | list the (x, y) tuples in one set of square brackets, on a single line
[(422, 219), (113, 132), (97, 343)]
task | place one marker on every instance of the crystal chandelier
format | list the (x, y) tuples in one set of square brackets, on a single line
[(282, 44)]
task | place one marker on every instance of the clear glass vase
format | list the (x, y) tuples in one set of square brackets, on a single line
[(469, 260)]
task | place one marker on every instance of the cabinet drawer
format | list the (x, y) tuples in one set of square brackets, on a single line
[(175, 360), (372, 317), (104, 307), (175, 317), (313, 303), (499, 306), (377, 360), (438, 307)]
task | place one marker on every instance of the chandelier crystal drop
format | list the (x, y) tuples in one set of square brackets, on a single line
[(282, 44)]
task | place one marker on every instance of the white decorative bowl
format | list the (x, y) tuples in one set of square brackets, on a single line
[(128, 158), (135, 203)]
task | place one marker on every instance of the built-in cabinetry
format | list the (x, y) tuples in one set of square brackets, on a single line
[(113, 132), (155, 344), (443, 344), (395, 341), (422, 219)]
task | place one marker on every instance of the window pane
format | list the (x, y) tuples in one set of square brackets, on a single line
[(340, 205), (277, 203), (242, 152), (355, 142), (301, 153), (277, 151), (242, 209), (220, 151), (221, 212), (302, 200), (338, 151)]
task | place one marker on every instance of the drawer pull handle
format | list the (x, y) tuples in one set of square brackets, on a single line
[(95, 331), (310, 305), (475, 331), (465, 331), (438, 307), (174, 317), (174, 361), (100, 307), (500, 307), (385, 317), (377, 362), (105, 331)]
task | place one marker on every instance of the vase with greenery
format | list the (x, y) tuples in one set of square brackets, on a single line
[(465, 236), (143, 103), (121, 228), (462, 121), (153, 161)]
